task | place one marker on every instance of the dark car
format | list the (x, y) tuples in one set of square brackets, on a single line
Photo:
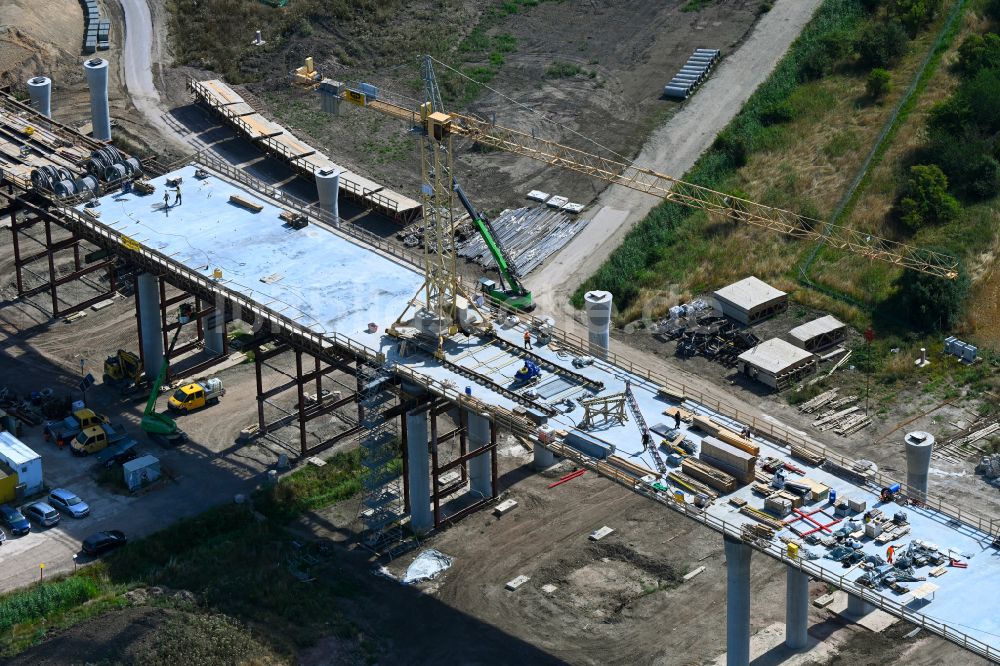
[(118, 454), (14, 520), (103, 542)]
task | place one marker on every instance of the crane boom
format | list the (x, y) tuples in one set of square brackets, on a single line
[(678, 191)]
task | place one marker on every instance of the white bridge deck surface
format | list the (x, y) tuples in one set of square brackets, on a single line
[(332, 284)]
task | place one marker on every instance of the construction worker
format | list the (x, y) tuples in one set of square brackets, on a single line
[(527, 339), (647, 440), (890, 551), (177, 195), (166, 199), (677, 419)]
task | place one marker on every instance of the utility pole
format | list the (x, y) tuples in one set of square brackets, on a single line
[(869, 336)]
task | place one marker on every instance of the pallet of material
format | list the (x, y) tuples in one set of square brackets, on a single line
[(813, 458), (704, 424), (730, 437), (692, 484), (704, 472), (730, 459), (252, 206), (762, 517), (672, 412), (631, 467)]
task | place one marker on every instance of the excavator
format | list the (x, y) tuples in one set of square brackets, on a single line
[(511, 291), (160, 427)]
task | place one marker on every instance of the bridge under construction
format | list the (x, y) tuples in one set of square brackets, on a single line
[(335, 296)]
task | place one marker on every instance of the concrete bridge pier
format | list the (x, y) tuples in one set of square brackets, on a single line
[(796, 608), (858, 607), (148, 296), (480, 467), (543, 457), (214, 326), (737, 602), (418, 471)]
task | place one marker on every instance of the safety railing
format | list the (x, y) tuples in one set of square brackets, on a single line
[(776, 551)]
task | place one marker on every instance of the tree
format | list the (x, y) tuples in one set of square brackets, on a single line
[(932, 303), (914, 14), (882, 44), (925, 198), (879, 83)]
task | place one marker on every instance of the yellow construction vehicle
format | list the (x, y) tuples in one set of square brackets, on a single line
[(123, 370), (196, 395)]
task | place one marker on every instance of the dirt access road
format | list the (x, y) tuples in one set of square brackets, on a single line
[(672, 149)]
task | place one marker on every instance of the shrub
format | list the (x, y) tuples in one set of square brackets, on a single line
[(879, 83), (925, 198), (978, 52), (777, 113), (993, 9), (562, 70), (882, 44)]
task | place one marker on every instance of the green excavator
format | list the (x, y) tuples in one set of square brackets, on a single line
[(511, 291), (160, 427)]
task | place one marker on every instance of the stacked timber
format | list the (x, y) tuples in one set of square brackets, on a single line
[(631, 467), (707, 473), (692, 484), (743, 443), (726, 457), (812, 457), (704, 424)]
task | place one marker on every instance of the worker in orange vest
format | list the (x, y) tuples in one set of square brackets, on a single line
[(527, 339), (889, 553)]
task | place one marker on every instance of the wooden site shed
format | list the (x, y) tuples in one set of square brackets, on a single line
[(818, 334), (750, 300), (777, 363)]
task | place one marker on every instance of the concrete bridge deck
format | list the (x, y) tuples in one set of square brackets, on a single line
[(328, 285)]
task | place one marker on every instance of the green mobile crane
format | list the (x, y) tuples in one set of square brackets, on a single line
[(159, 427), (511, 291)]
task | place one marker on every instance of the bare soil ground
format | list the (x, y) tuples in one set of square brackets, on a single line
[(625, 51)]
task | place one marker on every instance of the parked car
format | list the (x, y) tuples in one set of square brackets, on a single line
[(119, 454), (102, 542), (14, 520), (70, 502), (41, 513)]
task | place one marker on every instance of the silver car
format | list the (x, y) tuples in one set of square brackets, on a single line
[(41, 513), (68, 501)]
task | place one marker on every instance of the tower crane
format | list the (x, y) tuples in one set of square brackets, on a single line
[(440, 127)]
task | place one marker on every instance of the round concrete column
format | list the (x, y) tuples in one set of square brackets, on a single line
[(148, 294), (919, 446), (737, 602), (543, 457), (328, 188), (418, 471), (96, 70), (796, 608), (480, 476), (40, 92), (598, 309)]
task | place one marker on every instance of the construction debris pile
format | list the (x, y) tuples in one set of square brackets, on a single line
[(838, 415), (528, 235), (32, 409), (699, 329), (989, 466)]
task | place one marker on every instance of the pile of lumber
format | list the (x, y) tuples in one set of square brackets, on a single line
[(821, 400), (842, 421), (704, 472), (762, 517), (812, 457), (692, 484)]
